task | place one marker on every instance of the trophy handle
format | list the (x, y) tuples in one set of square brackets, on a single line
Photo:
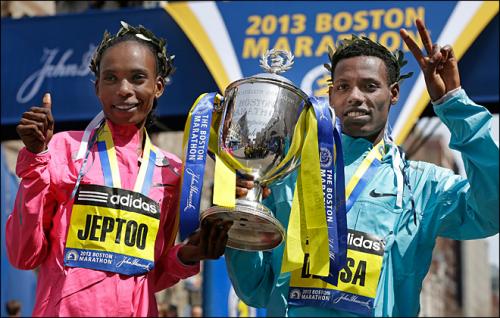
[(218, 101), (217, 115)]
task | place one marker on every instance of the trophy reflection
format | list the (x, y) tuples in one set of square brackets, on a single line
[(259, 114)]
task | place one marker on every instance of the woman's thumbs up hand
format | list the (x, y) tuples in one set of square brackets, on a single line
[(36, 126)]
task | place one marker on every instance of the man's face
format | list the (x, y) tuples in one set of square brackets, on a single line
[(361, 96), (128, 83)]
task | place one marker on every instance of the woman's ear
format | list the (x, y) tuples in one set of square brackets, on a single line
[(160, 86), (96, 86)]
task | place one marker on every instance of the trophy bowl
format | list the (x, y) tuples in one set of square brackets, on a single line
[(259, 114)]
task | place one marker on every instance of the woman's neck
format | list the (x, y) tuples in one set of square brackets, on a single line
[(128, 135), (142, 133)]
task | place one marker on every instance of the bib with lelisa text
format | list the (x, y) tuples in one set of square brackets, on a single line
[(357, 283)]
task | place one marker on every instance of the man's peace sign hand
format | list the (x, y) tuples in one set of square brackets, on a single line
[(440, 66)]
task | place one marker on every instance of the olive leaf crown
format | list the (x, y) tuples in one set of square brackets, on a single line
[(166, 67), (397, 58)]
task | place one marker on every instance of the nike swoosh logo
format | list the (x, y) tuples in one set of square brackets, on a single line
[(378, 195)]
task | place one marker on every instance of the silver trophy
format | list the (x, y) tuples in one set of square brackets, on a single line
[(259, 114)]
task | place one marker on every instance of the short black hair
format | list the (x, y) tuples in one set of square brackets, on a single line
[(363, 46), (125, 38)]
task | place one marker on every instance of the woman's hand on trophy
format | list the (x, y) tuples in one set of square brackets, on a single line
[(208, 242), (245, 183)]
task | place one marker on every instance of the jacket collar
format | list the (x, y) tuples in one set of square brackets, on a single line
[(356, 147)]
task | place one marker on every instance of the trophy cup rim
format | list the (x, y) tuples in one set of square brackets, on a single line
[(262, 78)]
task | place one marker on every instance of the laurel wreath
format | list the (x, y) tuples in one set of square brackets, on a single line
[(397, 57), (166, 67)]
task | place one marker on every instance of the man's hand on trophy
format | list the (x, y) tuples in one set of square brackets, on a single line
[(208, 242), (245, 183)]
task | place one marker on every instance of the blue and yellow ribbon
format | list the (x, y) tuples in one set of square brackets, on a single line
[(364, 174), (196, 139), (332, 173), (311, 230), (307, 230), (109, 162)]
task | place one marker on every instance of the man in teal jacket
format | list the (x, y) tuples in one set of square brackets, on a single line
[(395, 220)]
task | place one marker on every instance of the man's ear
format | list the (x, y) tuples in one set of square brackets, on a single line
[(160, 86), (96, 86), (394, 93), (330, 93)]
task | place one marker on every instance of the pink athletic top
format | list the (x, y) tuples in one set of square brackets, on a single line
[(37, 229)]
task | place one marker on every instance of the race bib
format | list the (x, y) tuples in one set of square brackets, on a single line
[(112, 230), (357, 283)]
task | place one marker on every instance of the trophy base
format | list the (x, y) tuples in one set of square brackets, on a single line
[(254, 227)]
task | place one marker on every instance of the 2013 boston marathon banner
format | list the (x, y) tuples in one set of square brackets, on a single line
[(231, 36)]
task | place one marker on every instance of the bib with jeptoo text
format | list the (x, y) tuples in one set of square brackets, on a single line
[(113, 229)]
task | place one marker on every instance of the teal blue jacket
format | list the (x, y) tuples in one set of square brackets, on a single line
[(446, 205)]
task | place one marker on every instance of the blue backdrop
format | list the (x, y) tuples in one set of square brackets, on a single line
[(16, 284), (52, 54)]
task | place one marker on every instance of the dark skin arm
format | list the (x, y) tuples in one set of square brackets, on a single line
[(208, 242), (243, 184), (36, 126), (440, 66)]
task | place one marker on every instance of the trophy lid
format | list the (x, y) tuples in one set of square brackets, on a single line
[(281, 61)]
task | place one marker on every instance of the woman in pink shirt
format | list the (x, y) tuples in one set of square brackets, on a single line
[(97, 210)]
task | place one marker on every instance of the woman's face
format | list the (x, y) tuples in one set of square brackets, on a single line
[(128, 83)]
